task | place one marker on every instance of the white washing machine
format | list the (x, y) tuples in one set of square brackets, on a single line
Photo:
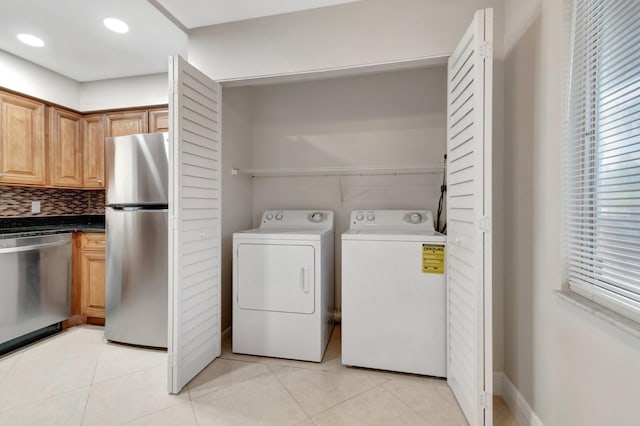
[(283, 285), (394, 293)]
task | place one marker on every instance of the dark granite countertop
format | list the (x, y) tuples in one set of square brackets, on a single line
[(47, 225)]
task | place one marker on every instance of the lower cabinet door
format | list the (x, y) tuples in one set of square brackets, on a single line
[(92, 278)]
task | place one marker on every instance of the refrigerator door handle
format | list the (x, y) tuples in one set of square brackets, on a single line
[(126, 208)]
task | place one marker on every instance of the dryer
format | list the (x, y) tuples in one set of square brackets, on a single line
[(283, 285), (394, 292)]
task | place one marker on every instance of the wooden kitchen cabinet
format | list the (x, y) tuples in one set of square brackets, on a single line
[(158, 120), (127, 123), (22, 141), (93, 128), (89, 296), (65, 148)]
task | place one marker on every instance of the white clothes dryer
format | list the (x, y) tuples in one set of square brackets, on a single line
[(283, 285), (394, 293)]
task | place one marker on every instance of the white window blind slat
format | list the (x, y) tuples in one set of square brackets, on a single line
[(602, 155)]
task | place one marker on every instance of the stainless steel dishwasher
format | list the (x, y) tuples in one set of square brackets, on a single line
[(35, 285)]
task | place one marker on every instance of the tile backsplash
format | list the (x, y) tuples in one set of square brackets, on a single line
[(16, 201)]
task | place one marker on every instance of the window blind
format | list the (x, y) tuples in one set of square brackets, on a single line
[(602, 157)]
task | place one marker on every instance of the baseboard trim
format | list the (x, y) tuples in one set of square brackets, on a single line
[(497, 382), (516, 402)]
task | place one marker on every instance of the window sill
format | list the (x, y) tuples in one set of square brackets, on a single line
[(601, 312)]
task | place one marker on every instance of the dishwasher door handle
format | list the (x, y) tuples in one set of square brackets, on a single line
[(32, 247)]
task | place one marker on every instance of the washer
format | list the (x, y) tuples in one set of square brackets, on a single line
[(283, 285), (394, 292)]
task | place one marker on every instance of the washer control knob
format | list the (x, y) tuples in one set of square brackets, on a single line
[(317, 217), (371, 217), (278, 216), (360, 216), (415, 218), (269, 216)]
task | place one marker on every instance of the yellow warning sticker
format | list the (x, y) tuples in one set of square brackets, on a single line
[(432, 259)]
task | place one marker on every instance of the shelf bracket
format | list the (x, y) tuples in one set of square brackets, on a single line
[(341, 190)]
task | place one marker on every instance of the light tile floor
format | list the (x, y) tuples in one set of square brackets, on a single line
[(77, 378)]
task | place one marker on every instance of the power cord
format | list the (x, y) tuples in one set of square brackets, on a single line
[(443, 190)]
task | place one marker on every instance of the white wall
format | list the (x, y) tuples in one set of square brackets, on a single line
[(124, 92), (236, 190), (31, 79), (34, 80), (573, 368), (359, 33), (388, 118)]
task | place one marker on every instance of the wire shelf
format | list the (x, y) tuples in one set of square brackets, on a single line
[(418, 169)]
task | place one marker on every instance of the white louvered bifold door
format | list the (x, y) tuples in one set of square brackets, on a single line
[(194, 211), (469, 350)]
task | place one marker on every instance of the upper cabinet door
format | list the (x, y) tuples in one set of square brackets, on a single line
[(93, 151), (65, 148), (158, 120), (127, 123), (22, 142), (468, 262)]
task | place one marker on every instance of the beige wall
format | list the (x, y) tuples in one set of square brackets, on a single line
[(352, 34), (394, 118), (31, 79), (126, 92), (572, 368), (236, 190)]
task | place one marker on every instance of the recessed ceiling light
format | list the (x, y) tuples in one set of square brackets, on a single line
[(31, 40), (116, 25)]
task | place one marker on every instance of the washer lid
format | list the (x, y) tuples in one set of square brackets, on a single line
[(394, 234)]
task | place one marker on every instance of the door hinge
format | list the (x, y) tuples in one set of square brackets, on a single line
[(485, 50), (173, 86), (485, 224), (484, 399)]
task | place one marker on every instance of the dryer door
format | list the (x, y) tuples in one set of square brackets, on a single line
[(275, 277)]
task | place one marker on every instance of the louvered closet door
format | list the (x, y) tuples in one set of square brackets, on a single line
[(469, 357), (194, 209)]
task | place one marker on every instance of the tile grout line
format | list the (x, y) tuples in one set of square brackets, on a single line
[(41, 343), (95, 368), (193, 409), (290, 394), (403, 403), (124, 374), (358, 394), (341, 402), (348, 399)]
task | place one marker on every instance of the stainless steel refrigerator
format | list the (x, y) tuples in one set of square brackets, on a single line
[(137, 169)]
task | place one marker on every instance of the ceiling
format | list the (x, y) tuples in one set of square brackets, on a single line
[(199, 13), (78, 46)]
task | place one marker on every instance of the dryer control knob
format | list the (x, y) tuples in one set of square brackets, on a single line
[(317, 217), (360, 217), (278, 216), (269, 216), (415, 218), (371, 217)]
